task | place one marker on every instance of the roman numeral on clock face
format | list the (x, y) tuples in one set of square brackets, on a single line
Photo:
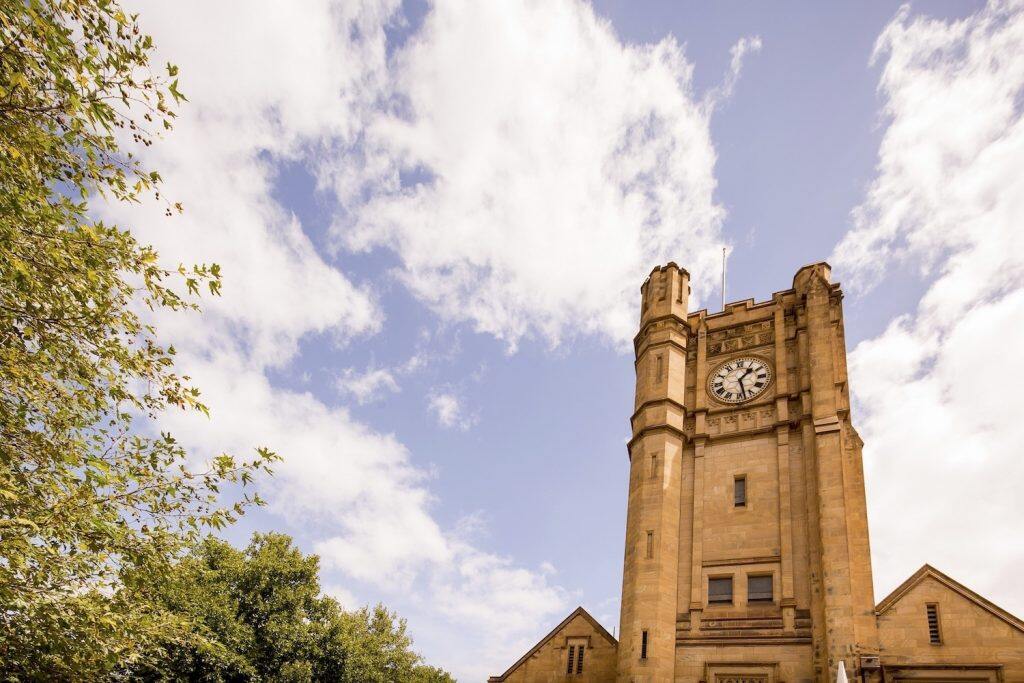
[(740, 380)]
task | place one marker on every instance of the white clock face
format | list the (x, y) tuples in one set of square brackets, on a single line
[(740, 379)]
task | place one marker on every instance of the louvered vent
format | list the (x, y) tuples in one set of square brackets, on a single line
[(933, 625)]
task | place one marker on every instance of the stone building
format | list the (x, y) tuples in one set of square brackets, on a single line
[(747, 557)]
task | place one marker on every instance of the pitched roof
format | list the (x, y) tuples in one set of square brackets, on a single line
[(578, 612), (927, 571)]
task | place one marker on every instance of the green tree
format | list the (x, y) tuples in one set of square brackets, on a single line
[(258, 615), (85, 493)]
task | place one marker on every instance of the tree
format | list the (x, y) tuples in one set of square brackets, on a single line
[(85, 494), (258, 615)]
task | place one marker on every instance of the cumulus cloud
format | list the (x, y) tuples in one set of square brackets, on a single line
[(370, 385), (271, 86), (935, 392), (526, 191), (345, 597), (529, 188), (449, 411)]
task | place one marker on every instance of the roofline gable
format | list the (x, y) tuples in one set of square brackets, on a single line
[(927, 571), (578, 612)]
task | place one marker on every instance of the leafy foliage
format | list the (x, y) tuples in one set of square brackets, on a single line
[(85, 493), (257, 615)]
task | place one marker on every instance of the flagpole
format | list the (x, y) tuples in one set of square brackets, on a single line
[(723, 278)]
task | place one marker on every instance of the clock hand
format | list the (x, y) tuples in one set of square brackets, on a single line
[(739, 381)]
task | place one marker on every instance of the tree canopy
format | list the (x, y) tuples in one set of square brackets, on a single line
[(258, 615), (86, 491), (106, 569)]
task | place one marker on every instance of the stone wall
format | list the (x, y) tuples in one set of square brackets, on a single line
[(548, 660), (972, 633), (804, 521)]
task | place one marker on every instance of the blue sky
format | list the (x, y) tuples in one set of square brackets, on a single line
[(434, 219)]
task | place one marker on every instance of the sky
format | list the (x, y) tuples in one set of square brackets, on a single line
[(433, 219)]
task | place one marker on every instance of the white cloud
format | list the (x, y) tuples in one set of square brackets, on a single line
[(936, 392), (344, 596), (739, 52), (449, 411), (370, 385), (270, 85), (506, 601), (416, 362), (556, 166)]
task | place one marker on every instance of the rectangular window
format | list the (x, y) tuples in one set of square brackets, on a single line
[(720, 590), (643, 645), (934, 636), (661, 369), (759, 589), (572, 655), (650, 545), (654, 466), (579, 660), (739, 492)]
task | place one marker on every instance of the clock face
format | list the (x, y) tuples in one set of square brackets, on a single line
[(740, 379)]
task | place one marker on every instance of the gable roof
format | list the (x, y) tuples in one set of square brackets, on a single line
[(578, 612), (928, 571)]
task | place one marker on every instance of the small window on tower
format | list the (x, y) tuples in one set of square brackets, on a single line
[(759, 588), (654, 466), (739, 492), (643, 645), (720, 590), (661, 369), (650, 545), (934, 635)]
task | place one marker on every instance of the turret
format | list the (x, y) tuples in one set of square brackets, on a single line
[(651, 564)]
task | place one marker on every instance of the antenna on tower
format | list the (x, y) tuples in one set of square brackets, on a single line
[(723, 278)]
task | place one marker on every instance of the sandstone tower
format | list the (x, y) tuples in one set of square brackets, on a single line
[(746, 528), (747, 557)]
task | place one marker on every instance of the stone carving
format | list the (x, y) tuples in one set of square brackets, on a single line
[(741, 421), (741, 337)]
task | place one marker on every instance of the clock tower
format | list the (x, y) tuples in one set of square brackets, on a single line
[(747, 557), (746, 553)]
